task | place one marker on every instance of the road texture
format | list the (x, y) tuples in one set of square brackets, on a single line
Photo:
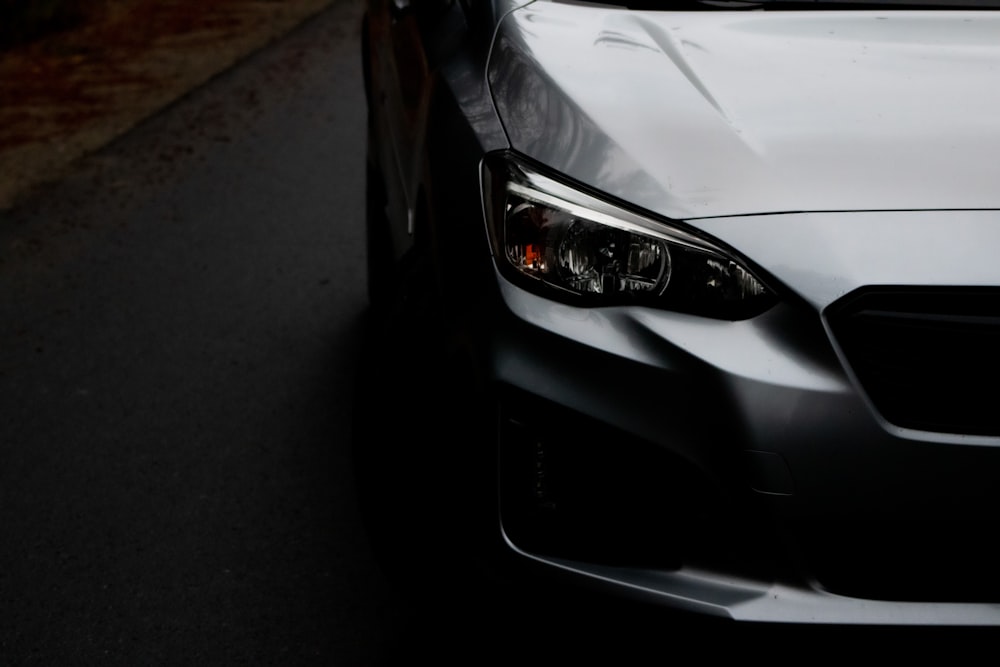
[(72, 91), (181, 314)]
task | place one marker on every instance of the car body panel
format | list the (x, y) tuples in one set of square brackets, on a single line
[(827, 255), (831, 152), (757, 112)]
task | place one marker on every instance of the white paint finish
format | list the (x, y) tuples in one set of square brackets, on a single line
[(823, 256), (694, 114)]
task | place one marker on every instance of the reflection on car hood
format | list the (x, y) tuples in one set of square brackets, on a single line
[(694, 114)]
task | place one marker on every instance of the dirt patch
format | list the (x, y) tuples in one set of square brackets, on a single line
[(70, 92)]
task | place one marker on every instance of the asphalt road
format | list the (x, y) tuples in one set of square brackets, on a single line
[(180, 325)]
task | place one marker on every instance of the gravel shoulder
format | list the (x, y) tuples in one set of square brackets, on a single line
[(71, 92)]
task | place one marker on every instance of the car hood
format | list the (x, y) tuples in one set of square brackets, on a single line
[(701, 114)]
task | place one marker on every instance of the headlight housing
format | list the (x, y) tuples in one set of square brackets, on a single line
[(557, 240)]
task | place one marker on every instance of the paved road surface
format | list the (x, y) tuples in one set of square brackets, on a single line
[(180, 321)]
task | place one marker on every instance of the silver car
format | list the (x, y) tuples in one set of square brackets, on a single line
[(693, 302)]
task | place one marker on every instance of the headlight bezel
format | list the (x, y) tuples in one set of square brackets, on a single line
[(710, 281)]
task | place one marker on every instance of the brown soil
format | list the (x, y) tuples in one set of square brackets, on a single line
[(72, 91)]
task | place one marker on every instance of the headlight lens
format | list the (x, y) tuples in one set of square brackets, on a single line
[(570, 245)]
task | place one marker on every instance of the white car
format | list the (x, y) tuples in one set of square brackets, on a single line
[(697, 302)]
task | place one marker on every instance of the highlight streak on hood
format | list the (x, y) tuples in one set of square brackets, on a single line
[(700, 114), (674, 50)]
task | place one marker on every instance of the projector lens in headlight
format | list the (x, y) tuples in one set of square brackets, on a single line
[(581, 255)]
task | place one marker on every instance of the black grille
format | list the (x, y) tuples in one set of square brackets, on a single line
[(928, 359)]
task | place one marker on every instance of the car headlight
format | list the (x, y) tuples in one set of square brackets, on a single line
[(560, 241)]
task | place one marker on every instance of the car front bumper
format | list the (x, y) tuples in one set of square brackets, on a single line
[(702, 464)]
